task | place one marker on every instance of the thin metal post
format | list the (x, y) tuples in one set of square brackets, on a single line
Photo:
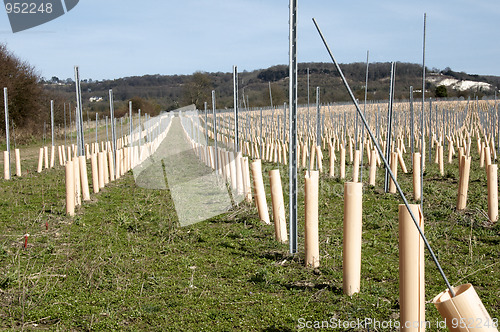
[(96, 124), (79, 111), (293, 124), (235, 102), (364, 113), (389, 126), (270, 95), (88, 122), (113, 129), (345, 130), (52, 120), (284, 122), (422, 122), (65, 124), (448, 285), (430, 130), (318, 127), (14, 134), (261, 136), (498, 125), (308, 93), (130, 120), (70, 135), (216, 153), (140, 130), (7, 136), (412, 123), (318, 120), (206, 126)]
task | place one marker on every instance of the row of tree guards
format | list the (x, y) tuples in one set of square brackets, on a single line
[(110, 160), (300, 139), (263, 135), (267, 135), (270, 149)]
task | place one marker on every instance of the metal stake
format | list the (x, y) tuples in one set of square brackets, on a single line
[(7, 136), (65, 124), (293, 124), (79, 113), (386, 163), (363, 128), (235, 101), (96, 122), (270, 95), (52, 120), (422, 122), (215, 134), (412, 124), (389, 126)]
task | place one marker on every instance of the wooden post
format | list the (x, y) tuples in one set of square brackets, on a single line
[(394, 169), (70, 189), (6, 165), (40, 161), (278, 206), (441, 160), (59, 151), (355, 167), (401, 161), (101, 156), (411, 270), (416, 176), (46, 156), (332, 160), (78, 187), (373, 168), (463, 183), (95, 172), (84, 178), (353, 213), (111, 166), (311, 241), (342, 162), (260, 193), (246, 180), (492, 192), (18, 162)]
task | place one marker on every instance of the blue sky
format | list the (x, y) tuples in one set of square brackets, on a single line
[(117, 38)]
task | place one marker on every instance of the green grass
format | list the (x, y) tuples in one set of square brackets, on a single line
[(123, 262)]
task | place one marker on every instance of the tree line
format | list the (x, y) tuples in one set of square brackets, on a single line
[(30, 95)]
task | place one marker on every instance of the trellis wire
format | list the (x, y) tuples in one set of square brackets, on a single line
[(386, 163)]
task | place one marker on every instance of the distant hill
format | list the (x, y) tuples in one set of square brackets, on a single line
[(167, 92)]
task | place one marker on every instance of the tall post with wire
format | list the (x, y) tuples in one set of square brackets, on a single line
[(113, 129), (7, 136), (384, 160), (52, 120), (422, 124), (270, 95), (216, 153), (364, 113), (235, 101), (389, 126), (412, 124), (131, 122), (79, 114), (293, 124)]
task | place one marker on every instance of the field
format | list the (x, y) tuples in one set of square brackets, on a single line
[(124, 263)]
